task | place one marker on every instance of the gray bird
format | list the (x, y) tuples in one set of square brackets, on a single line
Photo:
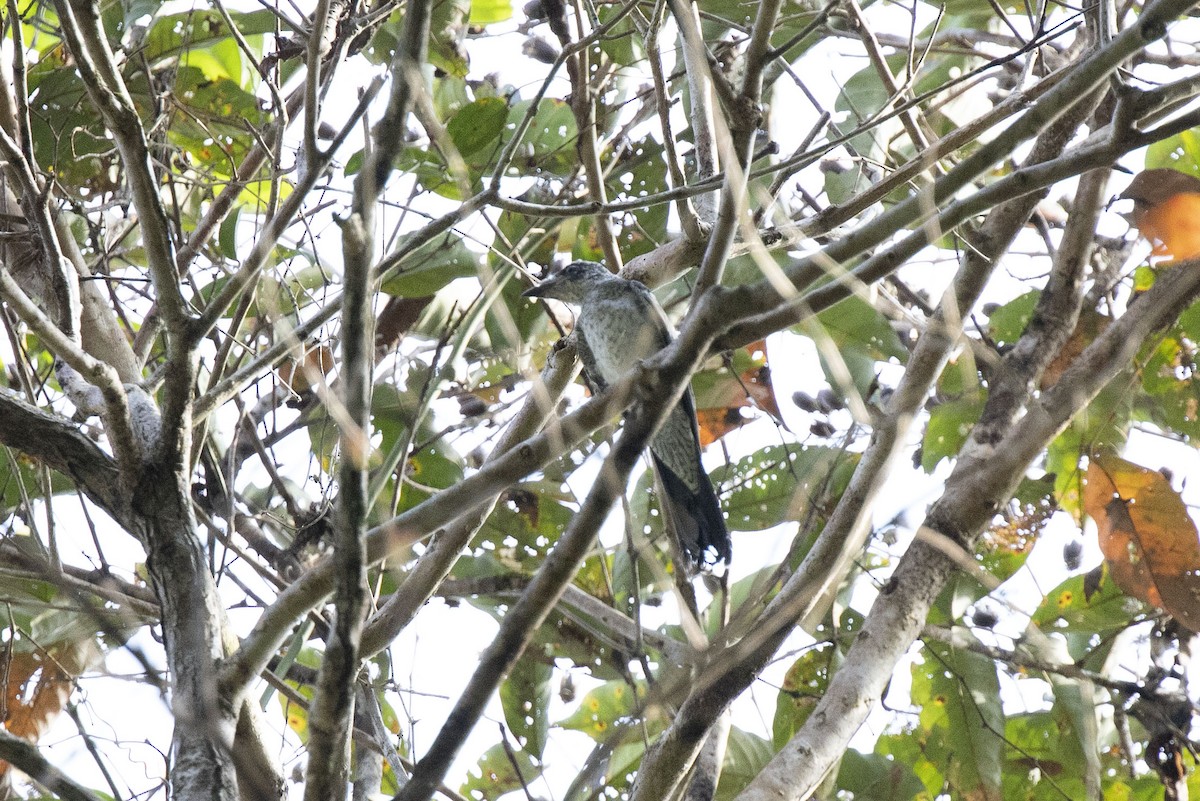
[(618, 325)]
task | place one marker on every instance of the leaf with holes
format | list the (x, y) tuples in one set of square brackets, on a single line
[(1147, 538)]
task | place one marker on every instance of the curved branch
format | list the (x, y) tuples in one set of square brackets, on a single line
[(118, 423), (84, 35), (59, 444), (332, 713), (26, 757)]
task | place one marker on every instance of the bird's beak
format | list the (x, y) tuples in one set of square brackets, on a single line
[(541, 290), (1135, 214)]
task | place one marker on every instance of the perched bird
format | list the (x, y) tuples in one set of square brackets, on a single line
[(619, 324), (1166, 210)]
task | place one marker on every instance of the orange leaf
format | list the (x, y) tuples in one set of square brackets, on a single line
[(716, 423), (1174, 226), (39, 684), (721, 393), (1149, 541)]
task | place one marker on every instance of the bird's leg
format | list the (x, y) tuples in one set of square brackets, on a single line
[(564, 348)]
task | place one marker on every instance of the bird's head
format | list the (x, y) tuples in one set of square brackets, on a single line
[(571, 283), (1151, 188)]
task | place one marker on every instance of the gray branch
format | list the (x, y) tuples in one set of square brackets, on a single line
[(28, 759)]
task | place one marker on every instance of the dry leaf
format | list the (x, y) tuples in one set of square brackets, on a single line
[(1149, 541)]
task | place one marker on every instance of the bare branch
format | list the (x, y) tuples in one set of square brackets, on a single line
[(26, 757), (60, 444), (124, 440), (84, 35)]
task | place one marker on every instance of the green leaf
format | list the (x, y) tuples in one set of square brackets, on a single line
[(135, 10), (500, 771), (525, 697), (526, 524), (778, 483), (948, 428), (477, 125), (1180, 152), (170, 35), (961, 718), (803, 686), (449, 95), (1044, 759), (603, 707), (220, 60), (1170, 377), (908, 749), (720, 17), (19, 475), (69, 138), (431, 266), (485, 12), (1007, 323), (1071, 607), (863, 337), (624, 43), (227, 237), (1103, 424), (447, 29), (875, 776), (639, 175), (746, 755), (549, 144)]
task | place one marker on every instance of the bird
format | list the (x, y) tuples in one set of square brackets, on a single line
[(619, 324), (1166, 211)]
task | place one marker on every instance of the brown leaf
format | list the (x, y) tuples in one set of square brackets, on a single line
[(716, 423), (39, 684), (748, 384), (757, 380), (1149, 541), (398, 316), (300, 375)]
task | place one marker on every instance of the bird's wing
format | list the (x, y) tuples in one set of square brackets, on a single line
[(655, 310), (594, 380)]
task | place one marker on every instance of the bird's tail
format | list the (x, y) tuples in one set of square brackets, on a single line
[(695, 517)]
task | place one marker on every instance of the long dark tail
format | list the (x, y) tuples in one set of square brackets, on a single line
[(695, 517)]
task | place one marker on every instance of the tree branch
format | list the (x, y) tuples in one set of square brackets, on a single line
[(58, 443), (448, 543), (982, 480), (440, 510), (332, 714), (805, 596), (527, 614), (118, 425), (82, 31), (26, 757)]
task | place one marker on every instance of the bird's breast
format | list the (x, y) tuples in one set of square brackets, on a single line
[(619, 335), (1174, 225)]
